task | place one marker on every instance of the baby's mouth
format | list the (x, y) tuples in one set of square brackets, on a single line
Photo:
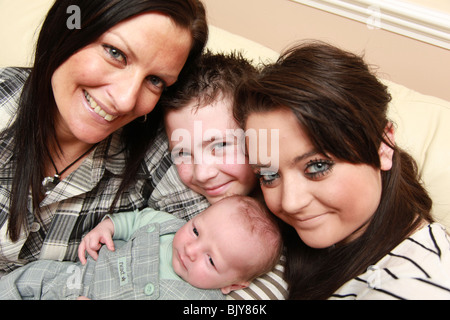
[(102, 113)]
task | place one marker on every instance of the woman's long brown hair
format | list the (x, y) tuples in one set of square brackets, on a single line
[(342, 108)]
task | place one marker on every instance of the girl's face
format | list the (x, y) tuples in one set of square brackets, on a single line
[(326, 200), (208, 152), (119, 77)]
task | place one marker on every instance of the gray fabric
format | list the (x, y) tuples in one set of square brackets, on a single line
[(129, 272)]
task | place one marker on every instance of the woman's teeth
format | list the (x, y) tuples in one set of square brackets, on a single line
[(97, 109)]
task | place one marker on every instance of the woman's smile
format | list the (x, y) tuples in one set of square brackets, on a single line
[(98, 110)]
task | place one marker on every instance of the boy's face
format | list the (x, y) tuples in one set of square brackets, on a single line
[(208, 150), (215, 249)]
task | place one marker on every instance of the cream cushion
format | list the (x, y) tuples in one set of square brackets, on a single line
[(422, 122), (423, 129)]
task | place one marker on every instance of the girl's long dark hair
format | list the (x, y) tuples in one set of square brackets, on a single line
[(342, 107), (33, 130)]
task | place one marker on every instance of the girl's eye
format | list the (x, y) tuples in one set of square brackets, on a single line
[(115, 53), (267, 178), (211, 261), (318, 168), (195, 231)]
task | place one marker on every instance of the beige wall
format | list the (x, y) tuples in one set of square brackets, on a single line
[(279, 23), (440, 5)]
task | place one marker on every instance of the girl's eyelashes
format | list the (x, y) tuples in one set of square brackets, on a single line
[(318, 168), (314, 169), (266, 178)]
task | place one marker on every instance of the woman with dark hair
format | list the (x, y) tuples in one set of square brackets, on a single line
[(79, 143), (357, 219)]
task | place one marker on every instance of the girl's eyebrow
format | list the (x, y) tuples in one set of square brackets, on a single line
[(304, 156), (296, 160)]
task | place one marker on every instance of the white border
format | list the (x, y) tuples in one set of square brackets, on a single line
[(401, 17)]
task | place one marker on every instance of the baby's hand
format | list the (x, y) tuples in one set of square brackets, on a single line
[(93, 241)]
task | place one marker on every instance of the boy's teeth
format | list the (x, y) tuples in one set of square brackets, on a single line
[(97, 109)]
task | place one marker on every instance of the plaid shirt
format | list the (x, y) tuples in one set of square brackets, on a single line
[(82, 199)]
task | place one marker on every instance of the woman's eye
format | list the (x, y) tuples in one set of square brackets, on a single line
[(115, 53), (194, 230), (157, 82)]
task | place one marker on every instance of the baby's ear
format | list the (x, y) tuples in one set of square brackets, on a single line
[(232, 287)]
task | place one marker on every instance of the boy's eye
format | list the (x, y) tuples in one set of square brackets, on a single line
[(195, 231), (219, 149), (182, 153), (220, 145), (179, 156)]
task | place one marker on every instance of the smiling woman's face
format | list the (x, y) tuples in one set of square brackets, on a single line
[(119, 77)]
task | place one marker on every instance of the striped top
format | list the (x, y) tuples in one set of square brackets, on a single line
[(417, 269), (270, 286)]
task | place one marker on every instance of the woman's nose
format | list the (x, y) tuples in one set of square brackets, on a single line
[(125, 92)]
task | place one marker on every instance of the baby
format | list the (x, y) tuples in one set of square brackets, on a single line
[(224, 247)]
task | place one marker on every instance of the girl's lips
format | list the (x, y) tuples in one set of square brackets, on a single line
[(310, 221), (303, 219)]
